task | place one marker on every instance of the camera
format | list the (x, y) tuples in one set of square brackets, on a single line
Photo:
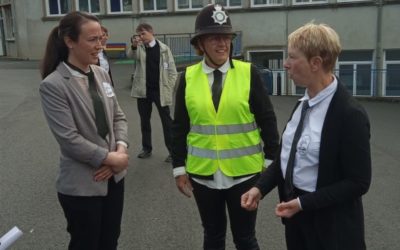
[(135, 38)]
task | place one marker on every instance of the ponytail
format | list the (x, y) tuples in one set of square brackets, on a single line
[(56, 52)]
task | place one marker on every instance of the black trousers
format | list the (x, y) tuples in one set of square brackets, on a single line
[(145, 107), (212, 205), (94, 223), (300, 231)]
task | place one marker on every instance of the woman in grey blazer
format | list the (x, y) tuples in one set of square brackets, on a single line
[(83, 113)]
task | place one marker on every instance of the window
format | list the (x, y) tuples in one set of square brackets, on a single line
[(8, 22), (119, 6), (260, 3), (58, 7), (229, 3), (91, 6), (297, 2), (153, 5), (355, 71), (391, 78), (188, 4), (270, 66), (341, 1)]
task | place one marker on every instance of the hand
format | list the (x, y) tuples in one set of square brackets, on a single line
[(103, 173), (287, 209), (184, 185), (250, 199), (117, 161), (136, 41)]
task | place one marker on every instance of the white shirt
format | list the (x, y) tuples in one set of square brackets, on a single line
[(103, 62), (151, 44), (306, 162)]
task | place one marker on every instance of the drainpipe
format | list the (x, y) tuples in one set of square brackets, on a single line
[(378, 84), (287, 82)]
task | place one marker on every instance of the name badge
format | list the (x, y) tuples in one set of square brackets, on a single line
[(108, 89), (165, 65)]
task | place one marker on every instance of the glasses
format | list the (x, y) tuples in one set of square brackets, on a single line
[(214, 39)]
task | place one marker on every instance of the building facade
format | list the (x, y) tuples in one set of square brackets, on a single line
[(369, 31)]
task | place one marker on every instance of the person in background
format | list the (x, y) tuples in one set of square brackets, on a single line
[(154, 82), (224, 132), (83, 114), (103, 59), (324, 166)]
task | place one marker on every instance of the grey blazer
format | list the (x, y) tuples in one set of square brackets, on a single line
[(70, 115)]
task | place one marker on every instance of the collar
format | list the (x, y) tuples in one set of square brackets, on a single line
[(322, 95), (151, 44), (208, 70), (75, 71)]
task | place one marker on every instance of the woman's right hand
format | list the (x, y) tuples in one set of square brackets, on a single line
[(250, 199), (103, 173), (184, 185)]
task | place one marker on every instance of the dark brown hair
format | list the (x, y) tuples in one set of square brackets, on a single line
[(56, 49)]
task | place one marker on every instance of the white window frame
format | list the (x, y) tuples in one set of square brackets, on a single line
[(8, 21), (385, 63), (309, 2), (155, 7), (122, 11), (275, 72), (354, 64), (59, 8), (89, 5), (268, 3), (349, 1), (228, 5), (187, 9)]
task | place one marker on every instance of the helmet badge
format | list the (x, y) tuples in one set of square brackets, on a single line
[(219, 15)]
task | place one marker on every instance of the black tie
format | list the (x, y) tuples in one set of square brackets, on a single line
[(101, 121), (290, 165), (100, 115), (217, 88)]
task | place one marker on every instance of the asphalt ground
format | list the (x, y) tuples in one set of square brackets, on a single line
[(156, 216)]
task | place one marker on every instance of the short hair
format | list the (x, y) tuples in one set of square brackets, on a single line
[(317, 40), (144, 27)]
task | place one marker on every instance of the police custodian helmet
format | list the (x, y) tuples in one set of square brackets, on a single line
[(212, 19)]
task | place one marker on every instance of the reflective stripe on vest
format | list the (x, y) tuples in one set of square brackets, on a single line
[(223, 129), (224, 154)]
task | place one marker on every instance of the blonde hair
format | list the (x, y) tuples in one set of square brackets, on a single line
[(317, 40)]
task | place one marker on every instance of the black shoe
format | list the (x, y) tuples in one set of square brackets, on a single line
[(168, 159), (144, 154)]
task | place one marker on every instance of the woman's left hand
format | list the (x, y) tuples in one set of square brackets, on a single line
[(287, 209)]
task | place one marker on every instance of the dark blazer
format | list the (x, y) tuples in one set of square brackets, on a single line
[(344, 175)]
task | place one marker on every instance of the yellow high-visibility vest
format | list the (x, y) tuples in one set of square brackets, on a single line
[(228, 139)]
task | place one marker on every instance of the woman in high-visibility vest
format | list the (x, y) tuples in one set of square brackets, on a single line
[(224, 132)]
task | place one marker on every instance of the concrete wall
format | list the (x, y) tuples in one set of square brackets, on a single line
[(391, 26), (357, 25), (361, 25)]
